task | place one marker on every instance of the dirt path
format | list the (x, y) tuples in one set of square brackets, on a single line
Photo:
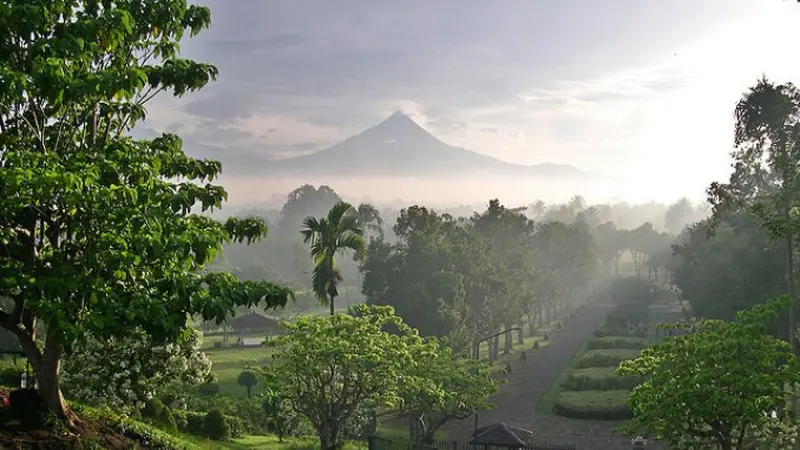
[(516, 402)]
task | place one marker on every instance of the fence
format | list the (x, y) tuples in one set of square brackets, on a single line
[(384, 443)]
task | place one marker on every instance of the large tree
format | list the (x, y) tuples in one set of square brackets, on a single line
[(329, 367), (97, 234), (338, 232), (766, 178), (717, 386)]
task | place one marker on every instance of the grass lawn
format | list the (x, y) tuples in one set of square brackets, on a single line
[(261, 443), (229, 362)]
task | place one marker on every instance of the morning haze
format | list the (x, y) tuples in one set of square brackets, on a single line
[(629, 102)]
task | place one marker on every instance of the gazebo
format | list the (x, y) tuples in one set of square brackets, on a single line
[(501, 435), (254, 323)]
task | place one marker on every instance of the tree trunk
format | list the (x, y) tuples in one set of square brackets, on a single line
[(332, 305), (509, 337), (47, 367), (326, 438)]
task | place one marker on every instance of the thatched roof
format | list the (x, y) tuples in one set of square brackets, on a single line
[(501, 435), (253, 321)]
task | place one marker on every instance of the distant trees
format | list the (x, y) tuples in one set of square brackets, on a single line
[(337, 232), (463, 279)]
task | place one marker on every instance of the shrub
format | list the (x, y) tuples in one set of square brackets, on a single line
[(216, 426), (194, 422), (11, 371), (620, 342), (598, 379), (164, 417), (152, 408), (594, 405), (621, 331), (605, 358), (209, 388)]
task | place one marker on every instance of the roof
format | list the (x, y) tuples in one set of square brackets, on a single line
[(501, 434), (253, 320)]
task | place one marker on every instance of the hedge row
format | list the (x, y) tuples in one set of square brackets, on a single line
[(598, 379), (605, 357), (617, 342), (594, 405)]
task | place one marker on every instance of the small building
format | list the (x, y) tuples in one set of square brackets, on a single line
[(255, 323)]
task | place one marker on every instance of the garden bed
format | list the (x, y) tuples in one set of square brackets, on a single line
[(605, 357), (617, 342), (594, 405), (598, 379)]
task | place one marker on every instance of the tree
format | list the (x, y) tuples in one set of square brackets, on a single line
[(97, 236), (444, 387), (678, 214), (328, 367), (139, 369), (717, 387), (248, 379), (732, 269), (338, 232), (370, 219), (766, 178)]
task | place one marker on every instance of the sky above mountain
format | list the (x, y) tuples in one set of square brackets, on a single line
[(640, 89)]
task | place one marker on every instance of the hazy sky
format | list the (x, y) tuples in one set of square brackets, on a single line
[(642, 89)]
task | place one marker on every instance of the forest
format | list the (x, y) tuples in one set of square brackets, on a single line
[(132, 317)]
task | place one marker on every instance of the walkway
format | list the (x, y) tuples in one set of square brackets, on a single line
[(516, 402)]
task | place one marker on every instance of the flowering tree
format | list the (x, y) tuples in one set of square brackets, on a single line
[(135, 372)]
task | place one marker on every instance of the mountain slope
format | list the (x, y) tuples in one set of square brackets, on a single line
[(399, 147)]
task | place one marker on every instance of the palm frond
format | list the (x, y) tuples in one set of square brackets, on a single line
[(338, 211), (354, 242)]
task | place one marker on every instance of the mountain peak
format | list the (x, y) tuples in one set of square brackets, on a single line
[(399, 118)]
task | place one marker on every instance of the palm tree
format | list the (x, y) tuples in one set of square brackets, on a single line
[(339, 232), (370, 219)]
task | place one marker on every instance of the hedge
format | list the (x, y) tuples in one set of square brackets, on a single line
[(605, 358), (594, 405), (621, 342), (606, 331), (598, 379), (193, 422)]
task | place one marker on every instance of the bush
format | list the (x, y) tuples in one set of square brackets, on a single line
[(598, 379), (605, 358), (594, 405), (620, 342), (208, 389), (164, 417), (623, 315), (640, 332), (194, 422), (216, 426)]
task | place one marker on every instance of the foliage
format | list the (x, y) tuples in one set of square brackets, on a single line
[(463, 279), (441, 387), (338, 232), (594, 405), (216, 425), (136, 372), (598, 379), (248, 379), (621, 342), (98, 231), (194, 422), (737, 263), (605, 357), (717, 386), (282, 419), (355, 360)]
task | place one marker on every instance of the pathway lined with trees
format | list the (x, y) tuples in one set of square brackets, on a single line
[(517, 401)]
